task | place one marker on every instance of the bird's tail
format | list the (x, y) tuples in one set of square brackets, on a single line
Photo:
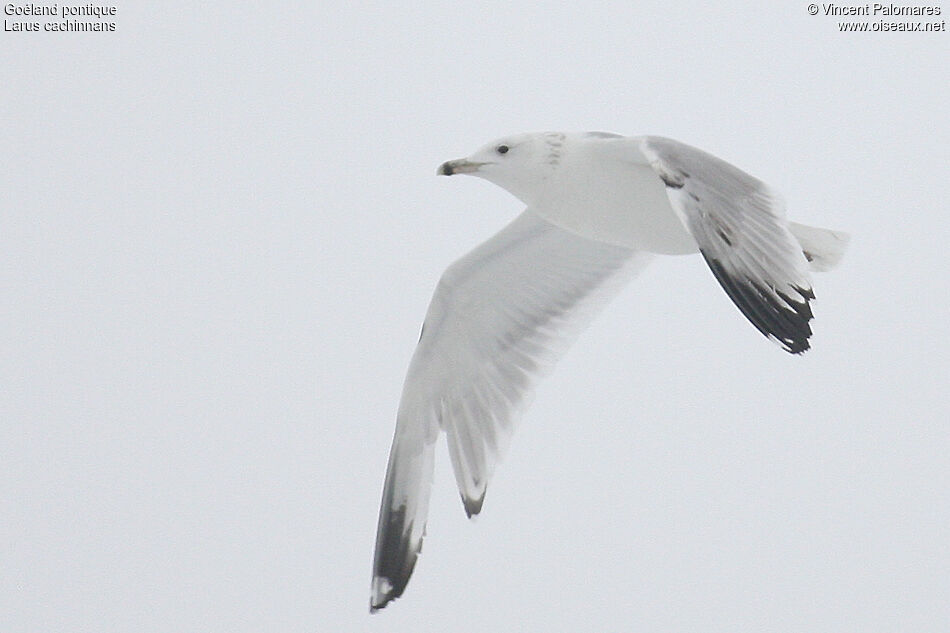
[(403, 511), (823, 248)]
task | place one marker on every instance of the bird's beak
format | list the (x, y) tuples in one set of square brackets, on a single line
[(459, 166)]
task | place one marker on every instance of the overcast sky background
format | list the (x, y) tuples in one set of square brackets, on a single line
[(220, 227)]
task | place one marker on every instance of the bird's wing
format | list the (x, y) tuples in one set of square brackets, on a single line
[(500, 318), (741, 230)]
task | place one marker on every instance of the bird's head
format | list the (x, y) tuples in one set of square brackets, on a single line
[(519, 164)]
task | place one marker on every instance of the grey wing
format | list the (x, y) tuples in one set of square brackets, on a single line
[(499, 319), (742, 232)]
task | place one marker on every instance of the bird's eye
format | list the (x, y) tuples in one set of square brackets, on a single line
[(502, 149)]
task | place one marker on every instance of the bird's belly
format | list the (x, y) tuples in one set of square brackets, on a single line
[(628, 209)]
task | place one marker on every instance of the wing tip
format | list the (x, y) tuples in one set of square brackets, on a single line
[(395, 559), (800, 311), (795, 347), (385, 588), (473, 505), (773, 312), (383, 593)]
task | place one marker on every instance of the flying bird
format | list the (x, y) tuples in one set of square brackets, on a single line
[(599, 207)]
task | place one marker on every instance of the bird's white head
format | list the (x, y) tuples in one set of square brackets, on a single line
[(519, 164)]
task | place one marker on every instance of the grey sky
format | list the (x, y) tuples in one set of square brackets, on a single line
[(219, 230)]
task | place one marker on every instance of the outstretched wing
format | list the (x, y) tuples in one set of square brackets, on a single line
[(742, 232), (500, 318)]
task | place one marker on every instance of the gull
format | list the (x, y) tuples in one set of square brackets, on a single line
[(600, 206)]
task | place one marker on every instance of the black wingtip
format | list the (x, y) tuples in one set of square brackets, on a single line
[(772, 312), (375, 607), (395, 559), (797, 350), (383, 592), (473, 506), (385, 589), (802, 315)]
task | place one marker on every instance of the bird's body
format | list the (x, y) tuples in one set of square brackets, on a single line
[(632, 208), (599, 208)]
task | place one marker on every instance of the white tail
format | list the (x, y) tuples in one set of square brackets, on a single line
[(823, 248)]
